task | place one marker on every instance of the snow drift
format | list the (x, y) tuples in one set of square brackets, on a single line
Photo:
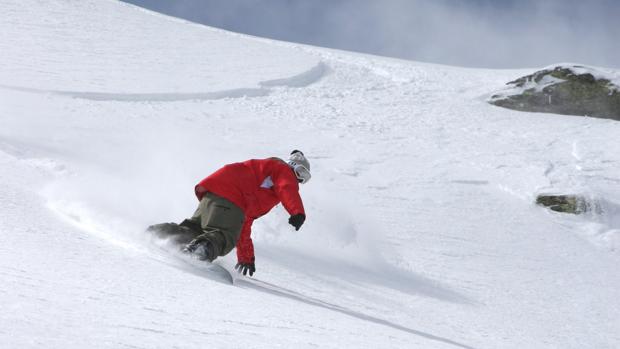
[(422, 229)]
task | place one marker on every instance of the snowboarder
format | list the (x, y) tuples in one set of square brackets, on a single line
[(231, 199)]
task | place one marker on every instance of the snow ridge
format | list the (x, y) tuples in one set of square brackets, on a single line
[(303, 79)]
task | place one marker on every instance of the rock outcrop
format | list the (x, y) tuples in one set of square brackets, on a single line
[(565, 89), (574, 204)]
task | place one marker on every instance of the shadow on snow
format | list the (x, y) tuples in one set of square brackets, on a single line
[(265, 287)]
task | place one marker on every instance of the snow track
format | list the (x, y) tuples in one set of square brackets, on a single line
[(303, 79), (422, 229)]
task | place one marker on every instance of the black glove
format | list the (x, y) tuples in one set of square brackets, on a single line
[(297, 220), (246, 267)]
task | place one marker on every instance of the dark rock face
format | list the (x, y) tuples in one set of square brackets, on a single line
[(562, 90), (574, 204)]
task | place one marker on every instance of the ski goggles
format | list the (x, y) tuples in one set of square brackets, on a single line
[(297, 161), (301, 172)]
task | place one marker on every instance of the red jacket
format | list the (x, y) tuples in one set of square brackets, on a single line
[(256, 186)]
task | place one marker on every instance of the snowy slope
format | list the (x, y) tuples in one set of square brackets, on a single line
[(421, 231)]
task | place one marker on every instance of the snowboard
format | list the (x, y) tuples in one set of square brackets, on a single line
[(172, 238)]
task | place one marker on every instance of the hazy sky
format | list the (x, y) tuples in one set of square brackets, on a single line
[(476, 33)]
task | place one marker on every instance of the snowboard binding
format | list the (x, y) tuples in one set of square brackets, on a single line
[(200, 248)]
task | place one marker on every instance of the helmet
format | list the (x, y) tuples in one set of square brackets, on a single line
[(300, 165)]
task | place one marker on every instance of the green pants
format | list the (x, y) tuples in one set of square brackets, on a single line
[(221, 221)]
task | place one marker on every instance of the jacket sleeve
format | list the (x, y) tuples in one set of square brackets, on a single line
[(245, 247), (287, 189)]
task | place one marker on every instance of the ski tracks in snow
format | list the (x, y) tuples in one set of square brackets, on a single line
[(411, 146), (265, 88)]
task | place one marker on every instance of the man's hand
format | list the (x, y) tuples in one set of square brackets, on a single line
[(245, 268), (297, 220)]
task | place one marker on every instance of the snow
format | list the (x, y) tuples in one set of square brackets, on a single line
[(422, 229)]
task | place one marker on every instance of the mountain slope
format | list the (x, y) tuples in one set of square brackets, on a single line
[(421, 226)]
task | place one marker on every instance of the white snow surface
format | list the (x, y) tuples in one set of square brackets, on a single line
[(422, 230)]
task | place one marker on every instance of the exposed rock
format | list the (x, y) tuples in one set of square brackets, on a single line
[(571, 90), (574, 204)]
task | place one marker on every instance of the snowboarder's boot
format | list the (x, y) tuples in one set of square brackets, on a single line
[(180, 234), (163, 230), (201, 248)]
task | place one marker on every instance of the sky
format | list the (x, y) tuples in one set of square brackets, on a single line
[(471, 33)]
